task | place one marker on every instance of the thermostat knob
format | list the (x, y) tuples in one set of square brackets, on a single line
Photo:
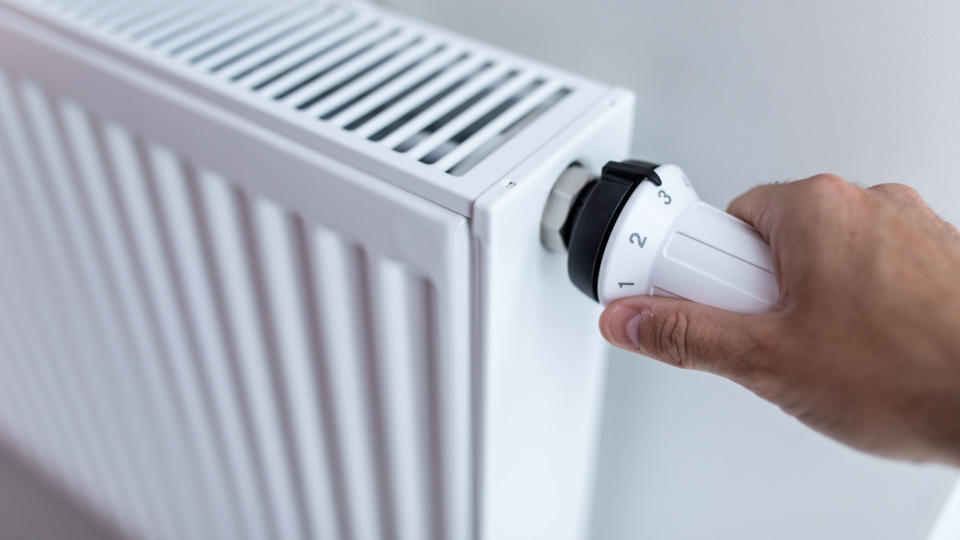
[(640, 229)]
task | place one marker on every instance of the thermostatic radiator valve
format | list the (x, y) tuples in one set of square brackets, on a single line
[(639, 229)]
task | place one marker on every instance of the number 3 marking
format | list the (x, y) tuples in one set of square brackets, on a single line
[(640, 240), (663, 195)]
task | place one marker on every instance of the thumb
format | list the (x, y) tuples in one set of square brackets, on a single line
[(687, 335)]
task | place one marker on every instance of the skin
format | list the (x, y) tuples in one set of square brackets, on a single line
[(864, 342)]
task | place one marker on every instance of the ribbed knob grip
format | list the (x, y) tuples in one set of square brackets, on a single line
[(716, 259)]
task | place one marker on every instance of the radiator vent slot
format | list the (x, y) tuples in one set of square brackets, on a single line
[(378, 80)]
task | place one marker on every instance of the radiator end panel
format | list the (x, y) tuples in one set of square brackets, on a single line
[(543, 359)]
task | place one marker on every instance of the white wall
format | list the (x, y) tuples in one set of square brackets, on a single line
[(737, 93)]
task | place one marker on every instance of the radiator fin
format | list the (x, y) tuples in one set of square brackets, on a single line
[(418, 93), (198, 361)]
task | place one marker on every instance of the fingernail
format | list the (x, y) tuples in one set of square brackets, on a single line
[(623, 327)]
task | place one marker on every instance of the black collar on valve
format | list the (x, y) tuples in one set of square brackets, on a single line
[(593, 215)]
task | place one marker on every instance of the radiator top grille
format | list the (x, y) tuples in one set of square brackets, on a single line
[(439, 103)]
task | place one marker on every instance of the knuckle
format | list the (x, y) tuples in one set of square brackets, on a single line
[(671, 339), (757, 365), (819, 198), (897, 191), (949, 228), (827, 184)]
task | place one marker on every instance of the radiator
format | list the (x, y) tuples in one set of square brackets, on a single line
[(272, 270)]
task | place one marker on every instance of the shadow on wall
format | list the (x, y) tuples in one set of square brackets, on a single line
[(33, 506)]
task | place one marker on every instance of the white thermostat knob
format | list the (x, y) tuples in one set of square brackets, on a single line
[(640, 229)]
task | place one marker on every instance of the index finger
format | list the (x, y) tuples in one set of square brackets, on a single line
[(754, 205)]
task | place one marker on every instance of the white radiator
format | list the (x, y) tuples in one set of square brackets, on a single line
[(272, 270)]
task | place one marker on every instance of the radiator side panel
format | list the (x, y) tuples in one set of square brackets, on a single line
[(543, 355), (256, 343)]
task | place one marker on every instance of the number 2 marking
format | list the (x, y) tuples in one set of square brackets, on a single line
[(666, 198), (640, 240)]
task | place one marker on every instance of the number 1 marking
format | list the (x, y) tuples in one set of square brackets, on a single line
[(622, 283)]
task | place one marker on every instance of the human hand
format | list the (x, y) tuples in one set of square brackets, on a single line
[(864, 342)]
